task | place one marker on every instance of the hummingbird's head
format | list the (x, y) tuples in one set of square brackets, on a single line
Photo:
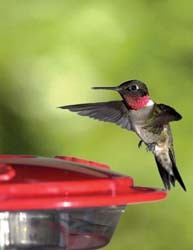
[(134, 93), (133, 88)]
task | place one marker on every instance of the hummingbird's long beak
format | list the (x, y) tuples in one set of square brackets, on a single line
[(107, 88)]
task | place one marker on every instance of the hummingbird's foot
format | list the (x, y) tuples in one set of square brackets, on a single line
[(140, 144), (150, 146)]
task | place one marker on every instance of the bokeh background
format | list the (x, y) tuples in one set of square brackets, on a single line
[(53, 52)]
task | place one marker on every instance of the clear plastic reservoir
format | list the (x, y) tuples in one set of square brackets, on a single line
[(89, 228)]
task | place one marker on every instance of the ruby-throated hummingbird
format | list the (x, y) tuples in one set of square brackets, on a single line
[(149, 120)]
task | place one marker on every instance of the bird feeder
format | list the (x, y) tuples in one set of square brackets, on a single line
[(62, 203)]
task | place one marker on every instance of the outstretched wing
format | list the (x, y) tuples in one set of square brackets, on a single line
[(113, 111), (165, 114)]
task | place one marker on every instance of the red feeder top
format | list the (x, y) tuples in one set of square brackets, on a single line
[(28, 183)]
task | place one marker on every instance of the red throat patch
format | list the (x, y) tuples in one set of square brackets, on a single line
[(137, 102)]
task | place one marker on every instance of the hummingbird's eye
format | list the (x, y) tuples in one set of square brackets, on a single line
[(133, 87)]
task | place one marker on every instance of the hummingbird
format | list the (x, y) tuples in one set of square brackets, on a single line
[(137, 112)]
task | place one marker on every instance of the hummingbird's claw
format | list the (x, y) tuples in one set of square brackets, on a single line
[(149, 147), (140, 144)]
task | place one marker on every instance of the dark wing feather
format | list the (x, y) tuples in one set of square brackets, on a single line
[(175, 171), (165, 114), (114, 111), (164, 175), (169, 177)]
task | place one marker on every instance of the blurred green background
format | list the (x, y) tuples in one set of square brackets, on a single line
[(53, 52)]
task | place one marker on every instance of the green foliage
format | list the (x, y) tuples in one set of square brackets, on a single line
[(52, 52)]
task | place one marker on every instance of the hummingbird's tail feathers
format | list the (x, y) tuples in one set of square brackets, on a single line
[(164, 175), (176, 172), (113, 111), (169, 174)]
